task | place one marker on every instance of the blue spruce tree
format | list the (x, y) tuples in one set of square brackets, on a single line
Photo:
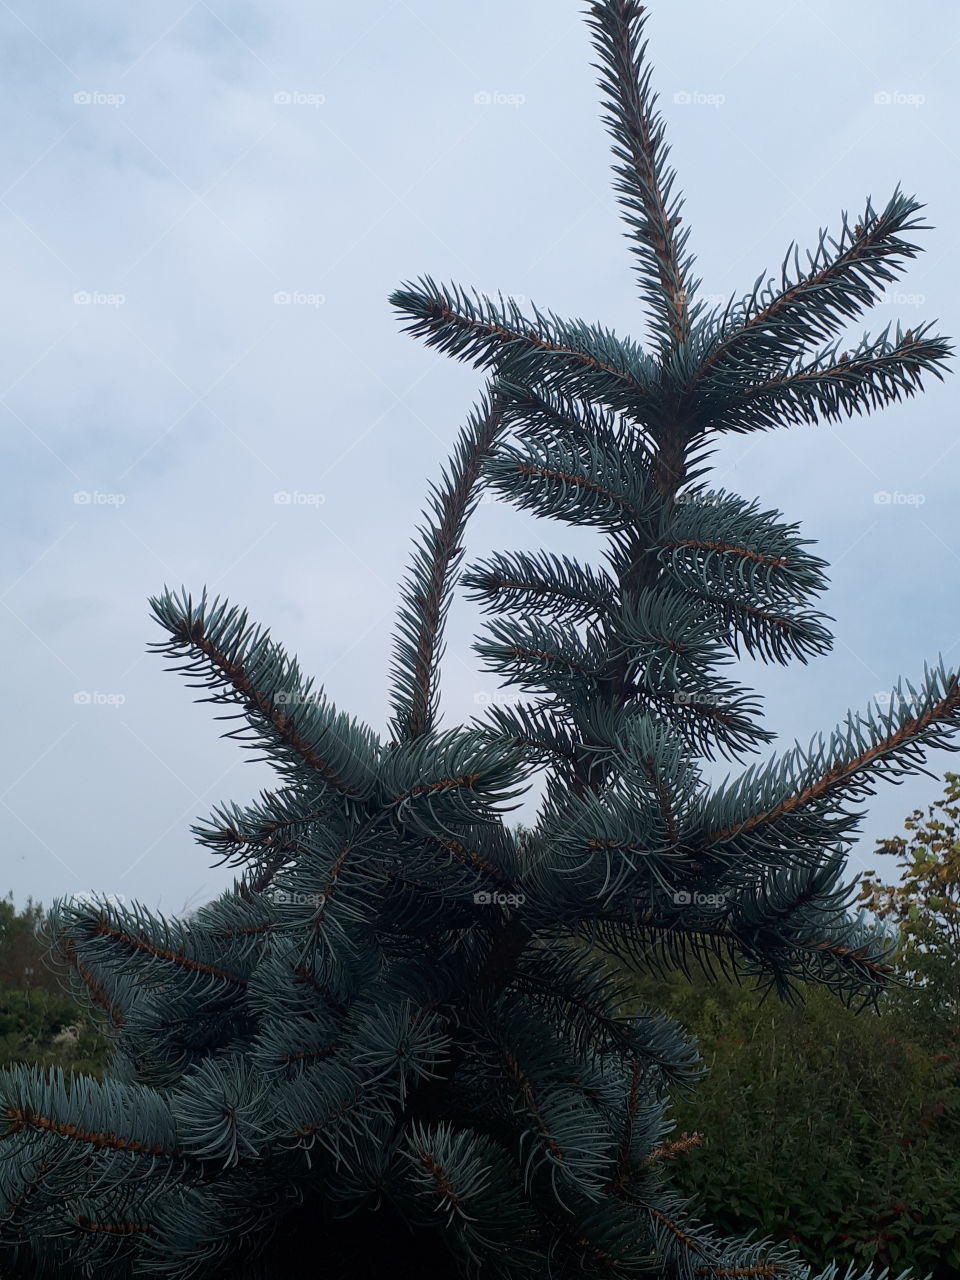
[(393, 1047)]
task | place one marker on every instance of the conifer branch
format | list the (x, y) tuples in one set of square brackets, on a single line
[(418, 644), (667, 1150), (140, 945), (549, 584), (773, 634), (631, 1108), (838, 287), (684, 1237), (96, 991), (877, 375), (851, 773), (644, 181), (244, 666), (568, 358)]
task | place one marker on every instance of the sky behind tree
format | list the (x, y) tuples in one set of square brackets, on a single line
[(204, 210)]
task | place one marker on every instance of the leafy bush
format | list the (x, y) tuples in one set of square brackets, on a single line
[(36, 1026), (926, 908), (35, 1011), (835, 1131)]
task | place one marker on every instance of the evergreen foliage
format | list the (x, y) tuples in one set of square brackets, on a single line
[(378, 1049)]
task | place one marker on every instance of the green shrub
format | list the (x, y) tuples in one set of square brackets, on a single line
[(35, 1008), (32, 1030), (836, 1131), (925, 906)]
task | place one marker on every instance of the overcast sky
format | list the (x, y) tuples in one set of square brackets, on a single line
[(168, 170)]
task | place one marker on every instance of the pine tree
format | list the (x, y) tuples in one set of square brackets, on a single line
[(391, 1046)]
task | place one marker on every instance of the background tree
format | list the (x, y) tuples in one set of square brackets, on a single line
[(925, 906), (378, 1051), (21, 950)]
